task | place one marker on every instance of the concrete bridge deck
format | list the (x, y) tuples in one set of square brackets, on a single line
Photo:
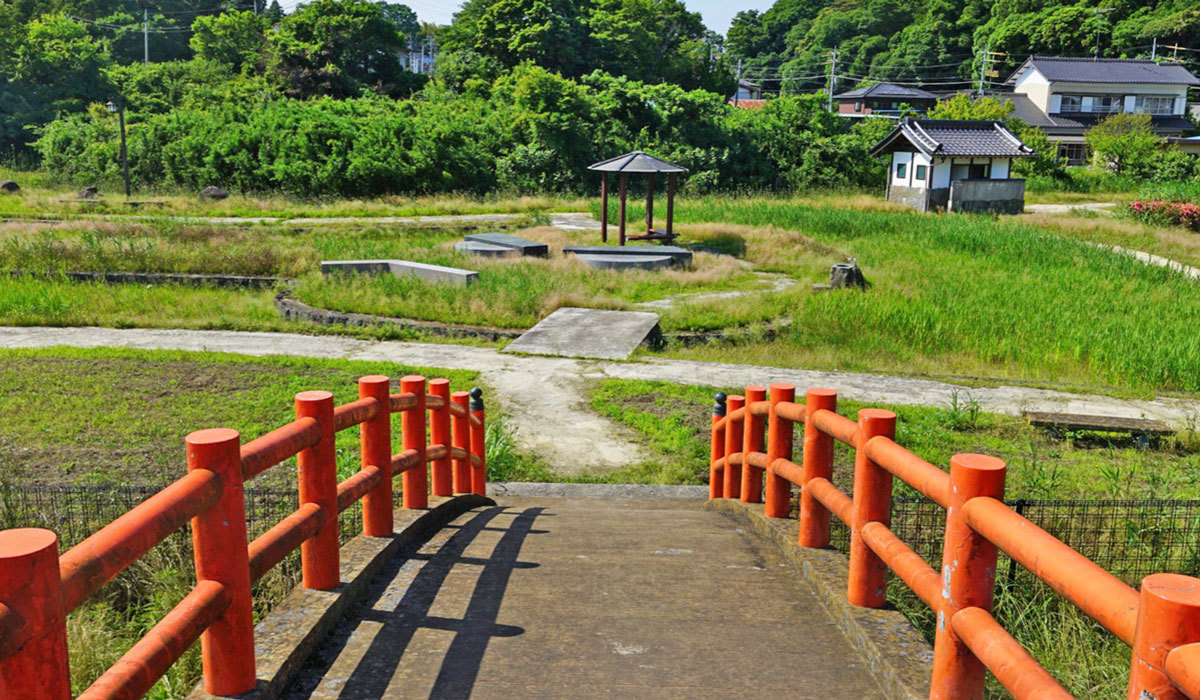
[(581, 598)]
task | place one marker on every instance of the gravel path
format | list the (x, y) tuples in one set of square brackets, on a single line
[(547, 400)]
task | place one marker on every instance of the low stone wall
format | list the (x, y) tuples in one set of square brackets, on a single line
[(990, 196), (295, 310), (915, 197)]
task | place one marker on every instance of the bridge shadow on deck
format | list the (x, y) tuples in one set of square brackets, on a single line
[(390, 647)]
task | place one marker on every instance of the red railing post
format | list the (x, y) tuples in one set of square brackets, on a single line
[(818, 462), (872, 503), (752, 480), (968, 577), (716, 485), (412, 427), (30, 591), (479, 444), (462, 439), (779, 446), (220, 553), (439, 434), (1168, 617), (376, 449), (733, 444), (319, 556)]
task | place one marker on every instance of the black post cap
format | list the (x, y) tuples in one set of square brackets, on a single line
[(719, 404), (476, 399)]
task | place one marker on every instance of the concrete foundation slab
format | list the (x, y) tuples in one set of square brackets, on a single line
[(626, 262), (575, 332), (486, 250), (401, 268), (504, 240), (682, 256)]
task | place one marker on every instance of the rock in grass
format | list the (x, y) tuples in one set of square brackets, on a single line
[(211, 192), (9, 187), (89, 192)]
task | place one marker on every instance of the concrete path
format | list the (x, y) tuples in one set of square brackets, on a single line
[(588, 598), (1152, 259), (571, 221), (1101, 207), (546, 397)]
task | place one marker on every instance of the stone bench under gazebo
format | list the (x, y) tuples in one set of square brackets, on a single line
[(638, 163)]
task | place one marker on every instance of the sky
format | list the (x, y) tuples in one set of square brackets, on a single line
[(717, 13)]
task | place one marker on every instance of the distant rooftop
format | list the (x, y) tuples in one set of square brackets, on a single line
[(945, 138), (1026, 110), (1106, 70), (887, 90)]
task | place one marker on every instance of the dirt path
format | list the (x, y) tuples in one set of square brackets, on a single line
[(573, 221), (547, 400)]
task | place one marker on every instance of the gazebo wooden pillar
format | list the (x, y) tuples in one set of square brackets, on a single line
[(637, 162)]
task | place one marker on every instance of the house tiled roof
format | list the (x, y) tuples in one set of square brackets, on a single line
[(748, 104), (954, 138), (1107, 70), (887, 90)]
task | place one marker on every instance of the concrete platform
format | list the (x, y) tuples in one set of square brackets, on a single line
[(575, 332), (401, 268), (589, 598), (626, 262), (485, 250), (681, 256), (522, 246)]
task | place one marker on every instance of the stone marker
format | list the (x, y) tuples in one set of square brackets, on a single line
[(401, 268), (211, 192), (89, 192), (626, 262), (681, 256), (574, 332), (486, 250), (524, 247), (9, 186), (846, 274)]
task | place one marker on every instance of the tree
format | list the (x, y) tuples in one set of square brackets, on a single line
[(1124, 143), (964, 107), (339, 48), (403, 18), (235, 39), (274, 13)]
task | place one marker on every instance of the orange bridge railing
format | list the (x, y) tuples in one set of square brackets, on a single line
[(38, 588), (752, 440)]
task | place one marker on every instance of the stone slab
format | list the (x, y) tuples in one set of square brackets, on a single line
[(626, 262), (485, 250), (575, 332), (401, 268), (524, 247), (682, 256)]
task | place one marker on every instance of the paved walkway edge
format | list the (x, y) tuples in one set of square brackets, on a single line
[(898, 656), (535, 489), (284, 640)]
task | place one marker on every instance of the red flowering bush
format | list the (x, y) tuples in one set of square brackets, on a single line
[(1167, 213)]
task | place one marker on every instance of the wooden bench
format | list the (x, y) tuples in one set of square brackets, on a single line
[(1141, 428)]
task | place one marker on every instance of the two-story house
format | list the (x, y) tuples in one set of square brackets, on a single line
[(883, 100), (1064, 97)]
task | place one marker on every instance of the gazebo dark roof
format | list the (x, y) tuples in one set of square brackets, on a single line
[(636, 162), (949, 137)]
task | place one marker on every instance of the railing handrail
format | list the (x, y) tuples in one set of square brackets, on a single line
[(32, 619), (1161, 623)]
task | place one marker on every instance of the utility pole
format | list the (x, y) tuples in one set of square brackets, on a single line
[(145, 34), (832, 72), (737, 89), (1154, 49), (987, 52), (1100, 11)]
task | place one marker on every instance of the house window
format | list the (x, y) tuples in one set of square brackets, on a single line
[(1155, 105), (1071, 103), (901, 170), (858, 108), (981, 171), (1106, 104), (920, 174), (1073, 153)]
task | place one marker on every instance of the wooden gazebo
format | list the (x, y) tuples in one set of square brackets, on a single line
[(638, 162)]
